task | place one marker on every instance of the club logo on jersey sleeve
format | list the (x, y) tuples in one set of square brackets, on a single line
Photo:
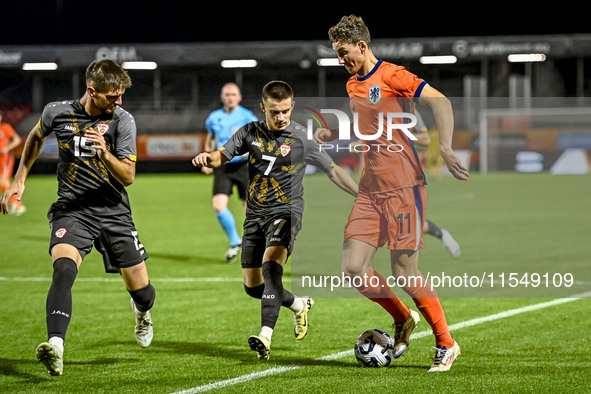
[(61, 232), (102, 128), (285, 149), (375, 94)]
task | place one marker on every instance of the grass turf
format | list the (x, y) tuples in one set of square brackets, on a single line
[(202, 317)]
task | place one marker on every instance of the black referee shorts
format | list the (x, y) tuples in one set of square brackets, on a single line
[(229, 175)]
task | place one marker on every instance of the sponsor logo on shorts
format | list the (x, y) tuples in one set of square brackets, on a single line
[(61, 232)]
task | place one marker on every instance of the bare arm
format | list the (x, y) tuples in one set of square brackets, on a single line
[(322, 136), (443, 112), (33, 146), (423, 138), (342, 179), (122, 169), (214, 159), (209, 145)]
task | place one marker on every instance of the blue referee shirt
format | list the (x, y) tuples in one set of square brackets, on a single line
[(223, 125)]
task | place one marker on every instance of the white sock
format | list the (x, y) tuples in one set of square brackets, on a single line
[(57, 343), (298, 305), (266, 332)]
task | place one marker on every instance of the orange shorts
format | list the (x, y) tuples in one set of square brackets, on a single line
[(395, 217)]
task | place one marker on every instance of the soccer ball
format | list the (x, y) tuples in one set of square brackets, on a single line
[(374, 348)]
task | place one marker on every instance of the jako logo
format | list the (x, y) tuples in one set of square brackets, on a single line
[(409, 121)]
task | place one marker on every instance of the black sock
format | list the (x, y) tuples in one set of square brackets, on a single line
[(58, 305), (257, 292), (273, 294), (434, 230), (144, 297)]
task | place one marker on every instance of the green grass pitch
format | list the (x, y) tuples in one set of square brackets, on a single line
[(504, 222)]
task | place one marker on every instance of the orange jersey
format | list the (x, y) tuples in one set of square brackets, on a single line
[(391, 161), (7, 133)]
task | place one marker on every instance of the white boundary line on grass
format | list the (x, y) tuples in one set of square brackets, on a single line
[(117, 278), (421, 334)]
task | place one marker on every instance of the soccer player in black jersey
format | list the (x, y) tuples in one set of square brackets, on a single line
[(97, 155), (278, 153)]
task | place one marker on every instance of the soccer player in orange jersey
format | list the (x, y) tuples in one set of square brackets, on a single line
[(9, 140), (390, 206)]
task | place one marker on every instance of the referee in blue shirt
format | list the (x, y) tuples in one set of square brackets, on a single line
[(221, 124)]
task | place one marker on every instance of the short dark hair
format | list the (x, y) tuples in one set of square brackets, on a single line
[(105, 75), (350, 30), (277, 91)]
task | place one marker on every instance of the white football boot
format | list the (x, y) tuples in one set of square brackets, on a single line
[(144, 332), (450, 243), (444, 358)]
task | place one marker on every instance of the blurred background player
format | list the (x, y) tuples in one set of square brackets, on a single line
[(97, 155), (9, 140), (221, 124), (391, 204), (278, 153)]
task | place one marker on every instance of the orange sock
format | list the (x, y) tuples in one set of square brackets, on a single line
[(383, 295), (427, 301)]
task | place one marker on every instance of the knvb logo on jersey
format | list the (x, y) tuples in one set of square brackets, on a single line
[(392, 122), (375, 94)]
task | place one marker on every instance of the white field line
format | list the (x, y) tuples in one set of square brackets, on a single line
[(116, 278), (346, 353)]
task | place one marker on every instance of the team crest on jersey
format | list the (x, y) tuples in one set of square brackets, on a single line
[(375, 94), (61, 232), (102, 128), (284, 149)]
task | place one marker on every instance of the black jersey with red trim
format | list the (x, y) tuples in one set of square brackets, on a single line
[(276, 165), (83, 179)]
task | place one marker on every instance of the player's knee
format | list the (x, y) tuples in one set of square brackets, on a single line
[(65, 268), (352, 270), (272, 272), (220, 203), (144, 297), (256, 291)]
